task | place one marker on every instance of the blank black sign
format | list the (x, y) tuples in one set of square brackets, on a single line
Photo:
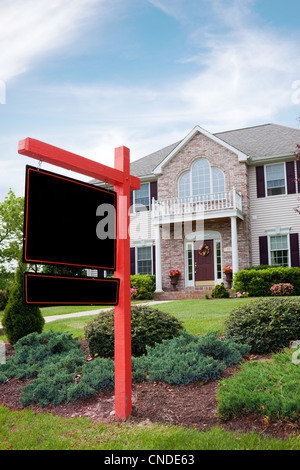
[(41, 289), (68, 222)]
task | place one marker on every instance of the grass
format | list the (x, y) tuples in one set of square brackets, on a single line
[(25, 430), (202, 316)]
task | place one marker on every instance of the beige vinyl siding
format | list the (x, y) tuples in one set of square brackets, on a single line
[(141, 227), (268, 213)]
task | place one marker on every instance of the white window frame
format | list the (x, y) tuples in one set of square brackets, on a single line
[(141, 207), (136, 256), (266, 181), (276, 233)]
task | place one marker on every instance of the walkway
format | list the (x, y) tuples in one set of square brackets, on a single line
[(94, 312)]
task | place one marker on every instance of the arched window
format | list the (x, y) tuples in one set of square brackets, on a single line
[(200, 172), (202, 179), (218, 180), (184, 185)]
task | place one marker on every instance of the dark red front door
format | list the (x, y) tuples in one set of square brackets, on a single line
[(204, 265)]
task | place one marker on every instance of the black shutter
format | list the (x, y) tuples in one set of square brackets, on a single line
[(260, 181), (132, 260), (290, 177), (263, 250), (131, 201), (153, 260), (294, 245), (298, 175)]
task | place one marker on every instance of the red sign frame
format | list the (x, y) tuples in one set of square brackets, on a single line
[(123, 183)]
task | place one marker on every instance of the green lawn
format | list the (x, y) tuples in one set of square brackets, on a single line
[(198, 316), (25, 430), (28, 431), (202, 316)]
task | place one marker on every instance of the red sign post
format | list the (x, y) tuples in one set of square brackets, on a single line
[(123, 183)]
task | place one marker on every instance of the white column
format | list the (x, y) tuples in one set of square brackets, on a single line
[(158, 259), (234, 245)]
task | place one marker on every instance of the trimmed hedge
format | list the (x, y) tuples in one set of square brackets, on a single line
[(266, 325), (258, 282)]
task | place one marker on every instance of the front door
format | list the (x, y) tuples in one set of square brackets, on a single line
[(204, 264)]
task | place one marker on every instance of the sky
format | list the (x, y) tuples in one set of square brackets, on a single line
[(92, 75)]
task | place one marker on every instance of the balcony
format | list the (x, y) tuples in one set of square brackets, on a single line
[(204, 206)]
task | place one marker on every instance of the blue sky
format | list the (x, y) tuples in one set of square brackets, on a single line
[(92, 75)]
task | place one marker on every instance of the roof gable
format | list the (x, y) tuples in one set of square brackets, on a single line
[(198, 130)]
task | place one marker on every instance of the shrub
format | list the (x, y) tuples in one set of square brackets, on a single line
[(144, 285), (220, 291), (189, 358), (268, 388), (148, 326), (258, 282), (266, 325), (19, 319), (282, 289)]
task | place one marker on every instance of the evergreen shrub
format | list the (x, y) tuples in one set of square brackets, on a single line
[(220, 291), (267, 388), (19, 319), (189, 358), (148, 326), (266, 325)]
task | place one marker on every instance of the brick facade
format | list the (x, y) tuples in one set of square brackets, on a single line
[(235, 177)]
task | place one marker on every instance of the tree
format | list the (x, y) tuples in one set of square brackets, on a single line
[(11, 232), (20, 319)]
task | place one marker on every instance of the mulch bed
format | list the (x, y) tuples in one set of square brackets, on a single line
[(191, 406)]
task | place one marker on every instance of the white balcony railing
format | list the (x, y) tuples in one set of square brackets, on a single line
[(197, 204)]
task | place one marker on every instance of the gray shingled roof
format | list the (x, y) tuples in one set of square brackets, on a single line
[(267, 140), (145, 166), (256, 142)]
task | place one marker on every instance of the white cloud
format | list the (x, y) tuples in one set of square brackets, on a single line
[(29, 29)]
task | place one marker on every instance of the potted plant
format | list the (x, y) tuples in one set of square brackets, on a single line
[(228, 275), (174, 276)]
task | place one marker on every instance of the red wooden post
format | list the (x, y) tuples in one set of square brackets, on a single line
[(124, 182), (123, 402)]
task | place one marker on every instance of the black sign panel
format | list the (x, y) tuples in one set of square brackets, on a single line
[(68, 222), (41, 289)]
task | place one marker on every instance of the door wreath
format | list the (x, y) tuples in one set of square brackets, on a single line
[(204, 250)]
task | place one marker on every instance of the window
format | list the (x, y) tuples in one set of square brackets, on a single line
[(144, 260), (190, 263), (279, 250), (184, 185), (219, 260), (142, 197), (218, 180), (275, 179), (200, 177), (201, 180)]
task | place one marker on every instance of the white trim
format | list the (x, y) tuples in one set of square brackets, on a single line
[(200, 237), (276, 234), (241, 156)]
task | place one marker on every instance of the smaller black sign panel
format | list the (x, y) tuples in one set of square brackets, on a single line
[(68, 222), (41, 289)]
